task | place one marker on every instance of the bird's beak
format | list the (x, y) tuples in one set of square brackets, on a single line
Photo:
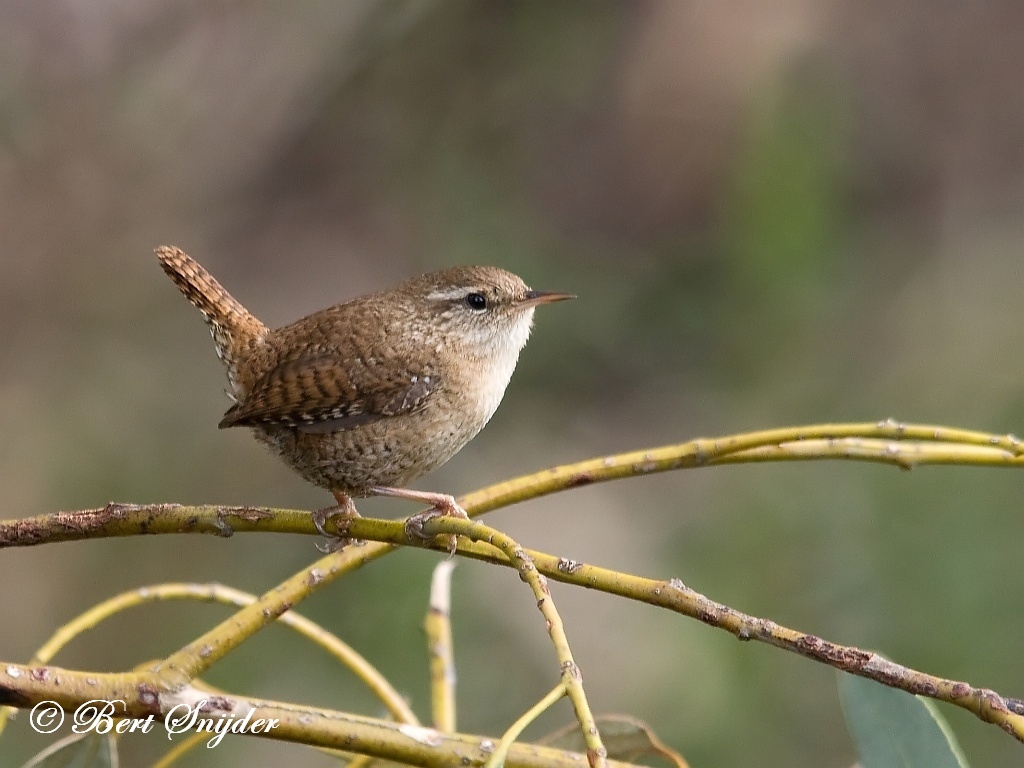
[(533, 298)]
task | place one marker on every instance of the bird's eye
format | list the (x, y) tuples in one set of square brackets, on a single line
[(476, 301)]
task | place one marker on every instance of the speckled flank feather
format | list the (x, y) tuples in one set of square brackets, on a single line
[(236, 332)]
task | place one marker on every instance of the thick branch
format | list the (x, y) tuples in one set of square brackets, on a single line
[(26, 686), (887, 442)]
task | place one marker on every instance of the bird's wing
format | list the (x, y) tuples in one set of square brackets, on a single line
[(328, 394)]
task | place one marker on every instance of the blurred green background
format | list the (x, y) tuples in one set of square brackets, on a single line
[(773, 213)]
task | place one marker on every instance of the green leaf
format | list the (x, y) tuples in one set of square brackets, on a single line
[(626, 739), (894, 729)]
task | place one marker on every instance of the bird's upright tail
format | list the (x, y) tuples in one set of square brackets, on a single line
[(236, 331)]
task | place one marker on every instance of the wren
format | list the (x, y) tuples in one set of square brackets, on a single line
[(364, 397)]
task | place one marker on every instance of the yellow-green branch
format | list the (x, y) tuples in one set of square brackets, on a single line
[(671, 594), (902, 445), (401, 742), (91, 618), (887, 442), (519, 558), (437, 626)]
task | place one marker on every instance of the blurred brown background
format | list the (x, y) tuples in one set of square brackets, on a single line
[(773, 213)]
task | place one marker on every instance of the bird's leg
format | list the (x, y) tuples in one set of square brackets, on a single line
[(345, 508), (441, 504)]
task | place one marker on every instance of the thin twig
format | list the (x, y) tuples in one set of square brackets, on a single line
[(196, 657), (572, 678), (497, 760), (440, 647), (89, 619), (988, 705), (180, 749)]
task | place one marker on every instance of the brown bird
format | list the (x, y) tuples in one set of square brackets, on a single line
[(364, 397)]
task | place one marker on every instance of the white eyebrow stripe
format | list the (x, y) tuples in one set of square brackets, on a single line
[(449, 294)]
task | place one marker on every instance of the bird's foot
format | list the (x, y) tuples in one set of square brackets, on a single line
[(441, 504), (345, 509)]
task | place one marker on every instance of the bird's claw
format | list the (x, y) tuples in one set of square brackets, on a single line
[(335, 541), (414, 525)]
